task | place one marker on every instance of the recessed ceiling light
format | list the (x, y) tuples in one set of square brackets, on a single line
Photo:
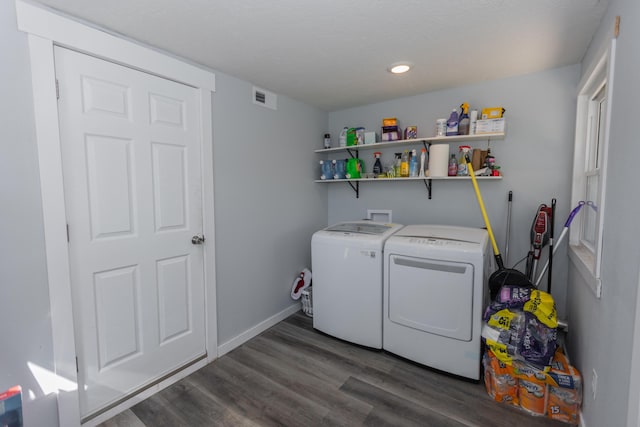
[(400, 67)]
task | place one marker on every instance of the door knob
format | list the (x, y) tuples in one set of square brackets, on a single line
[(198, 239)]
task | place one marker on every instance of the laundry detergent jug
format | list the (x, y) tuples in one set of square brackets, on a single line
[(340, 169), (355, 168), (327, 171)]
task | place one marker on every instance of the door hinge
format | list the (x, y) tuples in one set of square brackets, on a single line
[(68, 233), (57, 89), (77, 366)]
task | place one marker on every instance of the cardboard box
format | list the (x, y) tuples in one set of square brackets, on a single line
[(478, 158), (492, 113), (490, 126), (369, 137)]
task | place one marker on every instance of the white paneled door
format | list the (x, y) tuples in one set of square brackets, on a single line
[(132, 183)]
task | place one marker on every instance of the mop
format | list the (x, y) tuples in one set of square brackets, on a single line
[(502, 276), (564, 232)]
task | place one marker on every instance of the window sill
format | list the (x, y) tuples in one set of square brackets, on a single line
[(583, 261)]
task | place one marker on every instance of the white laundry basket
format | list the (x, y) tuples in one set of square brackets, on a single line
[(307, 302)]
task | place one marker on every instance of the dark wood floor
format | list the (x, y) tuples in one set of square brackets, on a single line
[(292, 375)]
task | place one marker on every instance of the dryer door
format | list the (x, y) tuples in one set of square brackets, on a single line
[(434, 296)]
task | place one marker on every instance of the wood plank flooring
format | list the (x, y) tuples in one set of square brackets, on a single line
[(292, 375)]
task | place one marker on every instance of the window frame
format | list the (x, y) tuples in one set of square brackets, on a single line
[(591, 161)]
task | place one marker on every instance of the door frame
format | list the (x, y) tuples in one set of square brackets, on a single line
[(46, 29)]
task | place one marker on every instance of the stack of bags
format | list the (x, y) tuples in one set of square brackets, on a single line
[(523, 365)]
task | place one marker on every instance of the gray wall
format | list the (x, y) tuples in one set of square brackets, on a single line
[(266, 209), (535, 158), (24, 292), (266, 203), (602, 330), (267, 206)]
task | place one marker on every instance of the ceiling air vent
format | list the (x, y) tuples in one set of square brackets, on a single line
[(265, 98)]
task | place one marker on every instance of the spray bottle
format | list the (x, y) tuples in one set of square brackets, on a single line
[(423, 158), (397, 164), (377, 166), (404, 164), (463, 124), (462, 160)]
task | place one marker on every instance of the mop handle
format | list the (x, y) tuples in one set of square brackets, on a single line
[(496, 252), (506, 243), (573, 213), (564, 232)]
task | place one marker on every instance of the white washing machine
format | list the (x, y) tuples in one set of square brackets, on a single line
[(435, 289), (346, 262)]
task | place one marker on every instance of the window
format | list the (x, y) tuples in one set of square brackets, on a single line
[(589, 169)]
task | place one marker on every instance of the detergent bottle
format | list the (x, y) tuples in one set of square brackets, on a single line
[(343, 137), (377, 166), (352, 137), (355, 168), (327, 169), (423, 158), (463, 125), (404, 164), (340, 168), (452, 123), (413, 164), (397, 164), (463, 170)]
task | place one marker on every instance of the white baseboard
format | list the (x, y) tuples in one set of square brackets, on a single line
[(582, 423), (237, 341)]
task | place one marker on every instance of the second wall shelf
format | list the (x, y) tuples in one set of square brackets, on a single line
[(355, 183), (353, 151)]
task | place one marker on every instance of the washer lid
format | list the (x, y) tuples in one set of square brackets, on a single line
[(444, 232), (368, 227)]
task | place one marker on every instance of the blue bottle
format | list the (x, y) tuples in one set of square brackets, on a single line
[(414, 169), (340, 168), (327, 170)]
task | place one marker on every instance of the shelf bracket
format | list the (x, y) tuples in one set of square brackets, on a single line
[(429, 184), (356, 187), (351, 153)]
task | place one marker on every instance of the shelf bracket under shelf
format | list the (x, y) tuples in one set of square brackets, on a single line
[(429, 184), (356, 187)]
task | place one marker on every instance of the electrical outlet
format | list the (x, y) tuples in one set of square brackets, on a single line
[(594, 383)]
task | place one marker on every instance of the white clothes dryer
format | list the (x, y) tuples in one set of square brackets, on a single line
[(435, 289), (346, 262)]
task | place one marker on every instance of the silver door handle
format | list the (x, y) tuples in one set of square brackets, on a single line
[(198, 239)]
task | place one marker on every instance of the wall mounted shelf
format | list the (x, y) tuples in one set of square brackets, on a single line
[(431, 140), (355, 183), (354, 150)]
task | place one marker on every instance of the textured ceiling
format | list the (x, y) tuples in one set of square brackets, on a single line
[(334, 54)]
